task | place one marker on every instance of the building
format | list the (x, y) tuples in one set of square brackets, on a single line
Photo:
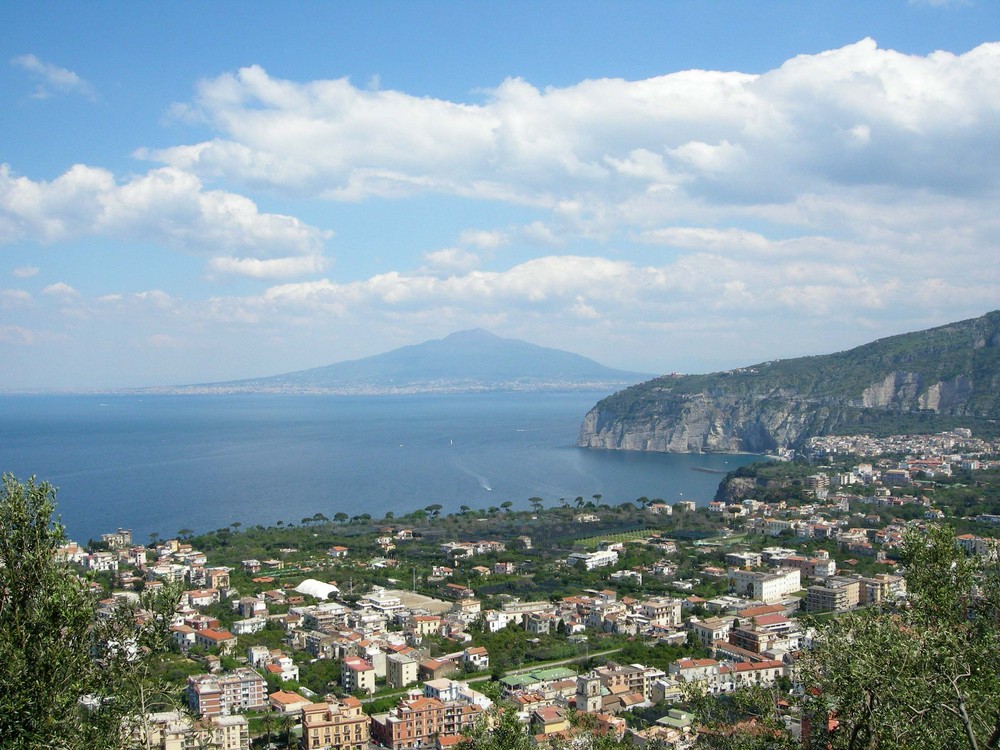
[(357, 675), (836, 595), (338, 725), (661, 610), (175, 730), (221, 695), (743, 559), (418, 721), (591, 560), (765, 587), (401, 670), (712, 629), (287, 702), (476, 658), (212, 638)]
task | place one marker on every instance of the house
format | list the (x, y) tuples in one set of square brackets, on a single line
[(476, 658), (422, 625), (548, 720), (435, 669), (220, 639), (337, 552), (287, 702), (183, 636), (457, 591)]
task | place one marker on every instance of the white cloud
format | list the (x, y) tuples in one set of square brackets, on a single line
[(61, 290), (714, 134), (165, 205), (484, 240), (25, 272), (450, 260), (272, 268), (52, 79)]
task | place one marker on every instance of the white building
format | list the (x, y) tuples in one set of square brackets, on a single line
[(765, 587), (591, 560)]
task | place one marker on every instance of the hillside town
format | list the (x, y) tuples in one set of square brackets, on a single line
[(412, 632)]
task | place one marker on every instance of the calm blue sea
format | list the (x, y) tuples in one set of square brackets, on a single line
[(163, 463)]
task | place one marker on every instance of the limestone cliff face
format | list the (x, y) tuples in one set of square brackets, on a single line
[(703, 425), (916, 382)]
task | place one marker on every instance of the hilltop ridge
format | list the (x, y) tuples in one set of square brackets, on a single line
[(914, 382)]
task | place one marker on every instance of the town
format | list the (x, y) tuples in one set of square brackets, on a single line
[(579, 617)]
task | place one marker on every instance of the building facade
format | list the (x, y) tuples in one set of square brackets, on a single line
[(339, 725)]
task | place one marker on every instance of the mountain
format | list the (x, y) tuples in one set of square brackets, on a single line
[(926, 381), (466, 361)]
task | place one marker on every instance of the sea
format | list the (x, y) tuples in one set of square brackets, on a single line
[(162, 463)]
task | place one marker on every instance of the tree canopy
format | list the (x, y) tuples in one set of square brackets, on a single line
[(68, 680)]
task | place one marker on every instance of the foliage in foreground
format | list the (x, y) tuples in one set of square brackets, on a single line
[(67, 681), (924, 675)]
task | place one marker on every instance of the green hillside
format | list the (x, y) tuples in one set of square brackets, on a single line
[(915, 382)]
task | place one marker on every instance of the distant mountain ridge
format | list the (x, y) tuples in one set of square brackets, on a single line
[(465, 361), (926, 381)]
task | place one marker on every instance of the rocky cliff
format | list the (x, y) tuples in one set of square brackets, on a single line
[(917, 382)]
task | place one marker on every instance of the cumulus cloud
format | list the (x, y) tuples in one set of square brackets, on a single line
[(165, 205), (52, 79), (850, 189), (852, 115)]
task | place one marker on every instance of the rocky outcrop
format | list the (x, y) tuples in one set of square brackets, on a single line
[(915, 382), (704, 425)]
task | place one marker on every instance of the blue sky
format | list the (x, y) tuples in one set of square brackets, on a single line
[(193, 192)]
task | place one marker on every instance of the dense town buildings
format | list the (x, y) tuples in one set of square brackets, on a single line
[(833, 548)]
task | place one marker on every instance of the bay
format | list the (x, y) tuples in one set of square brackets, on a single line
[(160, 463)]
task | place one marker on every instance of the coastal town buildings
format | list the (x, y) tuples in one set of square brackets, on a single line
[(335, 725)]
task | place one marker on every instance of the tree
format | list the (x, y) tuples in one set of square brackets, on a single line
[(536, 503), (66, 680), (502, 730), (926, 674)]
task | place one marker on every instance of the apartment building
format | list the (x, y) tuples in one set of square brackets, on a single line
[(418, 721), (337, 725), (224, 694), (837, 594), (357, 674)]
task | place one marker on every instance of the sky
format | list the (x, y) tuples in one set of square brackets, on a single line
[(195, 192)]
